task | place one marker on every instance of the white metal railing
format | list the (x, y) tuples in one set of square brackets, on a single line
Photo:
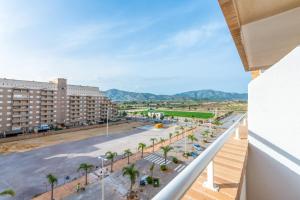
[(183, 181)]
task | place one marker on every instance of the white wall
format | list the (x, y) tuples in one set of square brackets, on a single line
[(273, 170)]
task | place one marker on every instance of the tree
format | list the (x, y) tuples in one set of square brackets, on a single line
[(127, 153), (86, 168), (162, 117), (8, 192), (132, 174), (124, 114), (182, 128), (170, 137), (166, 150), (192, 138), (142, 146), (52, 180), (152, 169), (177, 134), (111, 156), (205, 135), (162, 140), (153, 141)]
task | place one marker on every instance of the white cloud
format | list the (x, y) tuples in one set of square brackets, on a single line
[(194, 36)]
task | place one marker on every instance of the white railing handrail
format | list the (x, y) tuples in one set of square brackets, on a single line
[(183, 181)]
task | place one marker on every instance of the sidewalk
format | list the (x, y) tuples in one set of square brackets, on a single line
[(69, 188)]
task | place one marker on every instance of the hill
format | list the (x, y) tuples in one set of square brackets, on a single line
[(210, 95)]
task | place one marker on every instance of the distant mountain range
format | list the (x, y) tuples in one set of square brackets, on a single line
[(210, 95)]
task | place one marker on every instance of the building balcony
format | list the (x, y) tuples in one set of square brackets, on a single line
[(47, 108), (47, 98), (47, 103), (20, 115), (20, 103), (20, 97), (20, 109), (20, 120), (217, 173), (47, 93)]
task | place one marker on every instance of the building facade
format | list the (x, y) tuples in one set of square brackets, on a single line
[(29, 105)]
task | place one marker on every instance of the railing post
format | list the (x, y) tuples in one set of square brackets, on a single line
[(244, 121), (209, 183), (237, 133)]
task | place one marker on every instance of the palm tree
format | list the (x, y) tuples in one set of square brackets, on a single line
[(52, 180), (170, 137), (86, 168), (111, 156), (153, 141), (205, 135), (8, 192), (162, 140), (127, 153), (166, 150), (142, 146), (192, 138), (182, 129), (177, 134), (132, 173), (152, 169)]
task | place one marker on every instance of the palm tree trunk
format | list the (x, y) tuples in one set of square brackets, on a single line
[(86, 174), (153, 147), (131, 186), (142, 152), (52, 188), (111, 165), (165, 159), (128, 159)]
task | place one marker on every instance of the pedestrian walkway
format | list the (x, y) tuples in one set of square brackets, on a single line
[(156, 159), (179, 168)]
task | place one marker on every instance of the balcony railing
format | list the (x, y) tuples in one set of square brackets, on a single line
[(183, 181)]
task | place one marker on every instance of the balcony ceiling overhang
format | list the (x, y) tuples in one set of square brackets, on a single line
[(264, 31)]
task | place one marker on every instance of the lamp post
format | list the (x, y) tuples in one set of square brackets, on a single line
[(102, 185), (107, 120), (185, 142)]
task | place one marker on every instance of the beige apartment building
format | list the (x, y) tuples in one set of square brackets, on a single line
[(27, 106)]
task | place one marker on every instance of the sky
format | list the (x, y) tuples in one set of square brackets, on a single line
[(157, 46)]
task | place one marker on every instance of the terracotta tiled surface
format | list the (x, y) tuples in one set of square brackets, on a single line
[(229, 166)]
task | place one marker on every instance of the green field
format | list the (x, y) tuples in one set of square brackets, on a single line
[(201, 115)]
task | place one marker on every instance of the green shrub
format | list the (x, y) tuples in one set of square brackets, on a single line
[(175, 160), (163, 167), (149, 180)]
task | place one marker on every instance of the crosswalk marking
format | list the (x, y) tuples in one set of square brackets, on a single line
[(179, 168), (156, 159)]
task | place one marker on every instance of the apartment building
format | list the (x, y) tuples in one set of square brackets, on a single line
[(108, 108), (26, 106)]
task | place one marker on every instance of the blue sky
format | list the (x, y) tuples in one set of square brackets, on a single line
[(159, 46)]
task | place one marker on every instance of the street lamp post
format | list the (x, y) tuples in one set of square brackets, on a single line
[(102, 185), (107, 120), (185, 142)]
